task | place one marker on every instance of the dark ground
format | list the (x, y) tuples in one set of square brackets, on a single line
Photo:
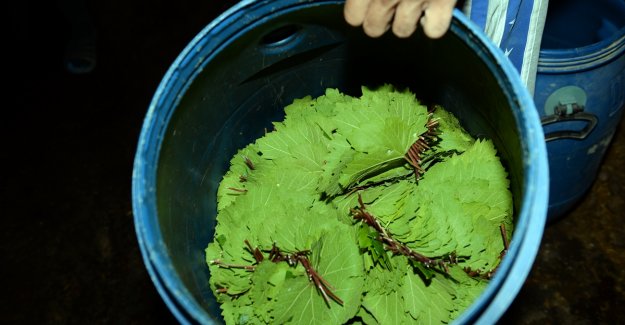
[(69, 252)]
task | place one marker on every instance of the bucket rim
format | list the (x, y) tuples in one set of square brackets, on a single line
[(530, 223), (584, 57), (491, 304), (155, 254)]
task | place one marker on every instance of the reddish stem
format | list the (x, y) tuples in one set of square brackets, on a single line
[(391, 244)]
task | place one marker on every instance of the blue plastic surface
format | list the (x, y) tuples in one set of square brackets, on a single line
[(583, 48), (236, 76)]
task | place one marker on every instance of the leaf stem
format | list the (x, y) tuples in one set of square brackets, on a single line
[(422, 144), (249, 163), (299, 257), (258, 255), (504, 237), (395, 246), (220, 263)]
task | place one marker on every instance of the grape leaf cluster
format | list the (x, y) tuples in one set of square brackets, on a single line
[(335, 217)]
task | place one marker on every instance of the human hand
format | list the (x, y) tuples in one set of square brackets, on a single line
[(378, 16)]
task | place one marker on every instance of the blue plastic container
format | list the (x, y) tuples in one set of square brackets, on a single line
[(580, 92), (236, 76)]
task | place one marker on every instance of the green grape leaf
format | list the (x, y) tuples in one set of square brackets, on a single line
[(236, 177), (467, 289), (366, 317), (340, 154), (337, 260), (470, 194), (386, 308), (365, 165), (297, 189), (452, 135), (239, 311), (430, 303), (267, 280), (380, 128), (302, 141), (368, 242)]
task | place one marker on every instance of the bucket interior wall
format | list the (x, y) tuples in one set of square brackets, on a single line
[(241, 88)]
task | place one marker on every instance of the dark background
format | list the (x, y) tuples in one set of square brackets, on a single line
[(69, 252)]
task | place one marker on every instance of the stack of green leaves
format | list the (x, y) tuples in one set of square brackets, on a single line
[(296, 192)]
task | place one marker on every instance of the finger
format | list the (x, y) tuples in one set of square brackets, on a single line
[(437, 17), (407, 16), (355, 10), (378, 18)]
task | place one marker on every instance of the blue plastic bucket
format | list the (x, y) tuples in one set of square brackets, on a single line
[(236, 76), (580, 92)]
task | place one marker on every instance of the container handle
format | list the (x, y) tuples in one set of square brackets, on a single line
[(570, 112)]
